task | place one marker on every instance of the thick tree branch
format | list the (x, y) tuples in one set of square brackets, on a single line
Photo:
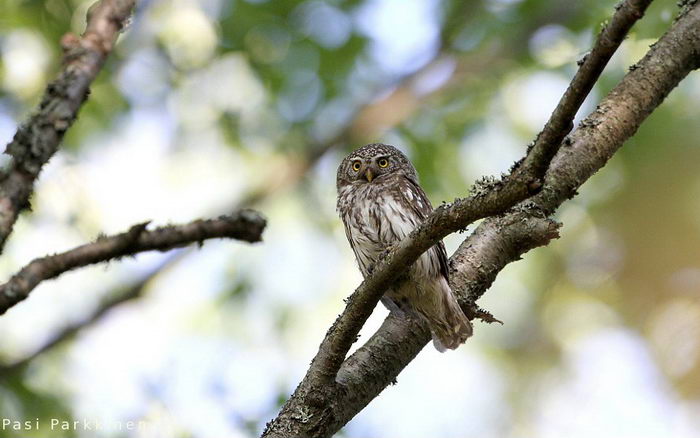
[(39, 137), (245, 225), (362, 376)]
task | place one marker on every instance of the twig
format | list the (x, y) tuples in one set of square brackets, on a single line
[(486, 251), (39, 137), (245, 225)]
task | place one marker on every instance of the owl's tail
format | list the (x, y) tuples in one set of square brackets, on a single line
[(450, 327)]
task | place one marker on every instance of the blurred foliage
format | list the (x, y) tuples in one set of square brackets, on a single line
[(276, 81)]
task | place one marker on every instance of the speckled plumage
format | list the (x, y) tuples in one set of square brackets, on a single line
[(380, 208)]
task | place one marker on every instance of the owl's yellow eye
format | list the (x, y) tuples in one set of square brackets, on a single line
[(356, 166), (383, 162)]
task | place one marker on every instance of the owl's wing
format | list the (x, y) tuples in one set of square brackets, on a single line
[(416, 199), (348, 234)]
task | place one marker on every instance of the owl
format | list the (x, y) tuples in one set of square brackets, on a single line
[(380, 202)]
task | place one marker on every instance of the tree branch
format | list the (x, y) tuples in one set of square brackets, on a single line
[(39, 137), (328, 407), (488, 250), (561, 121), (245, 225), (446, 219), (493, 199), (499, 241)]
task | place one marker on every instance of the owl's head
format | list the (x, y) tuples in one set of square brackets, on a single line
[(372, 164)]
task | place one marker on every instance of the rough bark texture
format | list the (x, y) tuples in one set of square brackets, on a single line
[(39, 137), (245, 225), (320, 410)]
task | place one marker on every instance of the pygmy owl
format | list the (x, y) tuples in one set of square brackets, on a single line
[(380, 203)]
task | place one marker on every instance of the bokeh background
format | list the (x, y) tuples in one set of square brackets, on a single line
[(207, 105)]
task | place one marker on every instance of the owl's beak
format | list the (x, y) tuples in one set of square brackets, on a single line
[(368, 175)]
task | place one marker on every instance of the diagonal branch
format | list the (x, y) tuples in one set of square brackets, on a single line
[(482, 256), (335, 404), (39, 137), (494, 200), (245, 225)]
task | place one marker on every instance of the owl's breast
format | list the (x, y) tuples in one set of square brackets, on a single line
[(374, 220)]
